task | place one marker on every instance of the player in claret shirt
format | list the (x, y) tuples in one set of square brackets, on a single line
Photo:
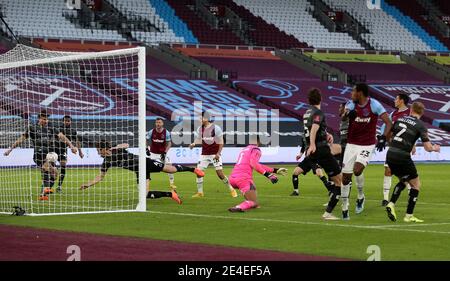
[(363, 113), (211, 137), (242, 175), (160, 141)]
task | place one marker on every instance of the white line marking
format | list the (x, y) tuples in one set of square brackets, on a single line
[(298, 222), (417, 224)]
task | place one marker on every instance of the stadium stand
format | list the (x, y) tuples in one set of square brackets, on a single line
[(386, 33), (416, 12), (262, 33), (143, 8), (158, 12), (43, 19), (412, 25), (385, 72), (205, 33), (158, 69), (443, 5), (258, 68), (293, 18), (273, 82)]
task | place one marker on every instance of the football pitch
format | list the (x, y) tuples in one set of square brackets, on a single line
[(283, 223)]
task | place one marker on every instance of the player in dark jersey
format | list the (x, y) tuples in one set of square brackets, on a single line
[(343, 129), (118, 156), (317, 141), (405, 132), (401, 105), (67, 129), (363, 113), (210, 136), (304, 167), (159, 142), (44, 139)]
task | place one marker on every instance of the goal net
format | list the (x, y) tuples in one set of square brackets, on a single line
[(69, 104)]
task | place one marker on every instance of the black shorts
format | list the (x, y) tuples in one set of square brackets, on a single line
[(39, 157), (307, 165), (341, 156), (153, 166), (62, 154), (401, 166), (326, 160)]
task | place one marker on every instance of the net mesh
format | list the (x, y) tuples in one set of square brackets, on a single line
[(79, 85)]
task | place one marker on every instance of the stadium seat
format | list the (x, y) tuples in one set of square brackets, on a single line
[(29, 18), (385, 33), (292, 17), (144, 9)]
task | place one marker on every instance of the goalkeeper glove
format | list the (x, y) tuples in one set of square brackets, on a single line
[(381, 144), (280, 171), (273, 178), (147, 151), (163, 157)]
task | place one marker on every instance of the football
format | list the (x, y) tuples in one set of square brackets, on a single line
[(52, 157)]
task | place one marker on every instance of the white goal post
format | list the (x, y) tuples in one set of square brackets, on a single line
[(67, 102)]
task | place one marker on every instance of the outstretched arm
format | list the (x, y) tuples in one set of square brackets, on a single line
[(96, 180), (121, 146), (18, 142), (254, 163), (63, 138), (431, 147)]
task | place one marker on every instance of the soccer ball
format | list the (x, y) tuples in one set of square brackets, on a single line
[(52, 157)]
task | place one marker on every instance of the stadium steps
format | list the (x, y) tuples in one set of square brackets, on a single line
[(412, 26), (322, 7), (194, 68), (427, 65), (261, 32), (385, 33), (204, 32), (308, 64), (179, 27), (443, 5), (415, 11)]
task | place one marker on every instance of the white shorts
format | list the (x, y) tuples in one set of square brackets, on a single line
[(205, 160), (157, 157), (356, 153)]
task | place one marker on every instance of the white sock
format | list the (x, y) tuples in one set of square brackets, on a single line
[(171, 178), (227, 183), (387, 182), (360, 185), (345, 193), (200, 185)]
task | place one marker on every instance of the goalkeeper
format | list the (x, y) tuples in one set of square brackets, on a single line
[(118, 156), (242, 175), (44, 139)]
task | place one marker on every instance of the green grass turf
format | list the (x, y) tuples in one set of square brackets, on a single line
[(355, 57), (284, 223)]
